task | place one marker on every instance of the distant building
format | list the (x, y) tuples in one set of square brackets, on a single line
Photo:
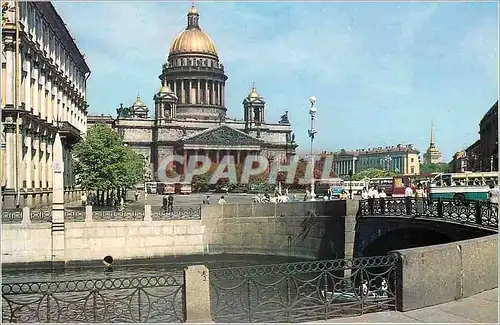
[(473, 154), (399, 159), (432, 156), (482, 155), (459, 162), (488, 139)]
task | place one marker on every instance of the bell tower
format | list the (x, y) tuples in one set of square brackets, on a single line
[(253, 106), (165, 105)]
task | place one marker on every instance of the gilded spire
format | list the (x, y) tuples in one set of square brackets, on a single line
[(432, 134)]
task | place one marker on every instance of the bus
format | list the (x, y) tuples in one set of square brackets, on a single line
[(462, 186), (385, 183), (356, 186), (400, 182), (183, 188), (335, 184)]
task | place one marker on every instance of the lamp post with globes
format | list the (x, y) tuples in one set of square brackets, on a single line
[(312, 132), (387, 159)]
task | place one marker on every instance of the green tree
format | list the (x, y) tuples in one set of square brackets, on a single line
[(434, 168), (370, 173), (102, 163)]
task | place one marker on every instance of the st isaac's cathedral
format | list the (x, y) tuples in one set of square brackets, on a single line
[(190, 111)]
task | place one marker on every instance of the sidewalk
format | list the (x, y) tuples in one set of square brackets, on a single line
[(481, 308)]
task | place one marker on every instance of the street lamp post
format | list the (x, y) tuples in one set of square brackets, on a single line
[(312, 132), (387, 159), (350, 183)]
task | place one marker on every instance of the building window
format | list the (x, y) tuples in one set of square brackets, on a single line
[(412, 170), (412, 159)]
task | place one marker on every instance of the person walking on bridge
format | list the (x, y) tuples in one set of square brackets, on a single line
[(408, 196)]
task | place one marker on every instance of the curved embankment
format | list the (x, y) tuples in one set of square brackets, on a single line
[(303, 229)]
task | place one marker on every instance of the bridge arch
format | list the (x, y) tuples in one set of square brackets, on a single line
[(403, 238)]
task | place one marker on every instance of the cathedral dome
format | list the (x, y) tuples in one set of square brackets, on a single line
[(193, 39)]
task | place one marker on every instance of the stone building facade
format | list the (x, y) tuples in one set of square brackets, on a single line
[(43, 92), (401, 159), (190, 114), (488, 138)]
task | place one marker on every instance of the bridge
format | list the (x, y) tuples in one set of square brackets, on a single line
[(383, 225)]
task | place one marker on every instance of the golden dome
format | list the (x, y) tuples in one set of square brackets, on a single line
[(138, 102), (253, 93), (193, 39), (164, 89)]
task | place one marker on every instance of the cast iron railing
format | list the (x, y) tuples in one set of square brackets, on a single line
[(12, 215), (154, 299), (126, 214), (76, 214), (41, 215), (305, 291), (176, 213), (477, 213)]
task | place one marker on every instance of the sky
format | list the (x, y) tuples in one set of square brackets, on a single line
[(381, 71)]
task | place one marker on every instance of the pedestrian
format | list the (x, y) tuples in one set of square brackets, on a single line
[(222, 201), (170, 207), (83, 199), (493, 194), (165, 203), (364, 194), (408, 196), (419, 199), (207, 200), (371, 199), (137, 194), (382, 196)]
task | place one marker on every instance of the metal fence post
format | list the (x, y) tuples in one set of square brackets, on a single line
[(440, 208)]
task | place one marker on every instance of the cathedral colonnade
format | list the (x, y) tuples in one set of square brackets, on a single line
[(43, 92), (198, 91)]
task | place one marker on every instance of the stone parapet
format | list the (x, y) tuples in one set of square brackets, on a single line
[(438, 274)]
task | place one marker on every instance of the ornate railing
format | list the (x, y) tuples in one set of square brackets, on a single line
[(305, 291), (176, 213), (477, 213), (41, 215), (117, 215), (154, 299), (76, 214), (12, 216)]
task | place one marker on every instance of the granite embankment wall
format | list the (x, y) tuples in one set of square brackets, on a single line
[(303, 229), (438, 274)]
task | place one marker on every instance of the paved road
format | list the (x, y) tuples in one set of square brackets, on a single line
[(481, 308)]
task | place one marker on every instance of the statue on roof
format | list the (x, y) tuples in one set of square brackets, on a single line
[(284, 119), (123, 112)]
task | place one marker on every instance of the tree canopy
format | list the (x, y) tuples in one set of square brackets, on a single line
[(102, 162), (370, 173), (434, 168)]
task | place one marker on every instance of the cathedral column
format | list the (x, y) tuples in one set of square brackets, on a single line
[(174, 87), (238, 157), (198, 94), (223, 102), (183, 93), (212, 95), (207, 94), (191, 91), (219, 94)]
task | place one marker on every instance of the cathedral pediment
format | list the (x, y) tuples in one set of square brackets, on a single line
[(222, 136)]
